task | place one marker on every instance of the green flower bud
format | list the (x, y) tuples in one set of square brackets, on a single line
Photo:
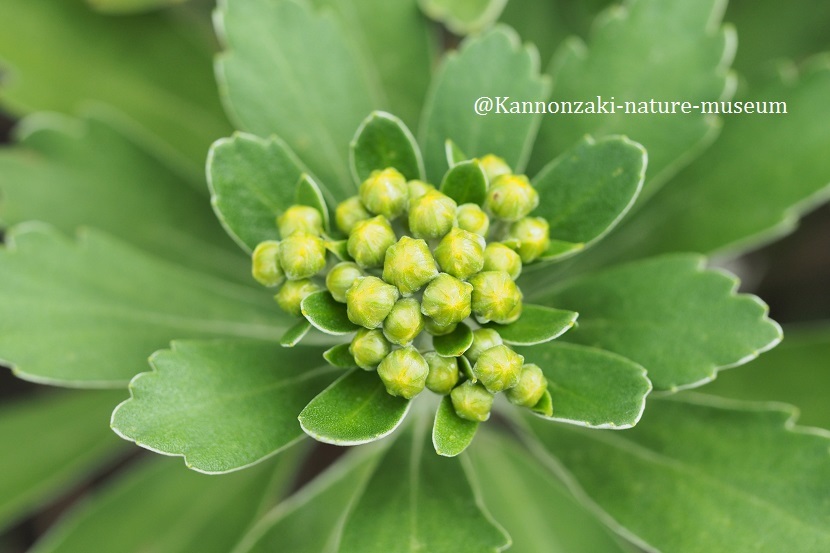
[(385, 193), (514, 314), (340, 279), (369, 301), (443, 373), (531, 387), (349, 213), (409, 265), (416, 189), (265, 264), (498, 368), (438, 330), (300, 218), (404, 372), (432, 215), (495, 297), (498, 257), (369, 348), (293, 293), (369, 241), (404, 322), (302, 255), (472, 401), (511, 197), (494, 167), (447, 300), (483, 339), (471, 217), (533, 235), (460, 253)]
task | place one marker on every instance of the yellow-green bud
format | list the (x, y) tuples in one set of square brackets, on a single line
[(498, 368), (265, 264), (417, 188), (533, 235), (471, 217), (514, 314), (443, 373), (302, 255), (385, 193), (472, 401), (432, 215), (447, 300), (498, 257), (495, 297), (293, 293), (369, 301), (483, 339), (369, 241), (511, 197), (340, 279), (460, 253), (404, 372), (349, 213), (404, 322), (369, 348), (438, 330), (409, 265), (494, 167), (531, 387), (300, 218)]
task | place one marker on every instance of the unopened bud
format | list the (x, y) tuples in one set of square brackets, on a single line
[(369, 301), (460, 253), (531, 387), (404, 372), (302, 255), (511, 197), (495, 297), (471, 217), (443, 373), (340, 279), (300, 218), (349, 213), (533, 235), (494, 167), (404, 322), (369, 241), (447, 300), (369, 347), (385, 193), (409, 265), (498, 257), (483, 339), (292, 294), (472, 401), (265, 264), (432, 215), (498, 368), (417, 188), (438, 330)]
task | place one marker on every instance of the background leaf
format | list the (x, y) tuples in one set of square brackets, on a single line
[(450, 433), (121, 7), (537, 324), (464, 16), (222, 405), (702, 474), (492, 64), (681, 322), (326, 314), (384, 141), (103, 307)]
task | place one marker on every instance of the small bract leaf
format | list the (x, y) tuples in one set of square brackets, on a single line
[(450, 433), (463, 16), (455, 343), (339, 356), (307, 192), (454, 153), (545, 405), (590, 387), (293, 335), (465, 183), (466, 369), (537, 324), (383, 141), (340, 249), (355, 409), (327, 314)]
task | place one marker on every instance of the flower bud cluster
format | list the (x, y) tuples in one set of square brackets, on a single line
[(420, 265)]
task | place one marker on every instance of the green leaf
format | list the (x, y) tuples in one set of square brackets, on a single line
[(122, 7), (340, 249), (455, 343), (383, 141), (103, 308), (537, 324), (464, 17), (465, 182), (110, 181), (538, 512), (252, 181), (453, 153), (307, 192), (492, 65), (740, 476), (590, 387), (355, 409), (688, 55), (450, 433), (587, 190), (796, 372), (293, 335), (669, 314), (280, 59), (544, 406), (128, 66), (51, 442), (558, 249), (134, 513), (223, 405), (326, 314), (697, 212), (418, 500), (466, 369), (340, 356)]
